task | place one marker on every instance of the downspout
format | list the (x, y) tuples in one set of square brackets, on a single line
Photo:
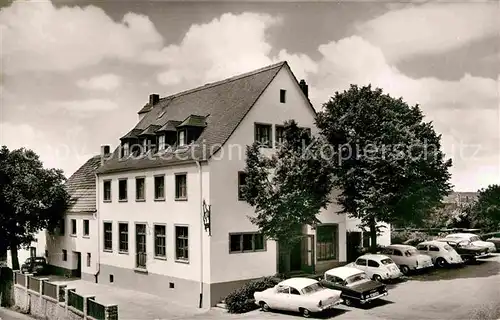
[(198, 164), (98, 255)]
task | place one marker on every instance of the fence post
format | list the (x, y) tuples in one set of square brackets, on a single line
[(15, 272), (66, 291), (85, 305), (42, 280), (111, 312), (27, 277)]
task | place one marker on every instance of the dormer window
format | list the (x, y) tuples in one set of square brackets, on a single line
[(161, 142), (144, 145), (125, 150), (182, 138)]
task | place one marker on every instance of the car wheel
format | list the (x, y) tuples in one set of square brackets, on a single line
[(263, 306), (377, 277), (305, 313), (441, 262), (348, 302), (405, 270)]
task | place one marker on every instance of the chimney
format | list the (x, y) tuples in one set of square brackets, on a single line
[(154, 98), (305, 88), (105, 153)]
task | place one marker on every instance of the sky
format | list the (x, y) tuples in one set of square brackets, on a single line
[(75, 73)]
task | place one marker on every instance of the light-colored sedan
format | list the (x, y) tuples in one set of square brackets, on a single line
[(407, 257), (442, 254), (474, 239), (377, 267), (302, 295)]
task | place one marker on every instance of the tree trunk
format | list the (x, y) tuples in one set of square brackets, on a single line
[(15, 258), (6, 283), (373, 235)]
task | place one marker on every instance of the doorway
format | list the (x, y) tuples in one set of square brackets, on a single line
[(353, 242), (78, 271), (32, 252)]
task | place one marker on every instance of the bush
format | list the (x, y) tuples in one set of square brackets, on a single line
[(241, 300)]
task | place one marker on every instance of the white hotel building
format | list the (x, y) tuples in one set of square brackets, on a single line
[(174, 225)]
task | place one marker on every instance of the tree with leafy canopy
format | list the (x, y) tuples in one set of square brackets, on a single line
[(388, 163), (486, 209), (32, 198), (288, 188)]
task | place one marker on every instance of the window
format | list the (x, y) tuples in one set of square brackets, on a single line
[(160, 241), (242, 176), (73, 227), (123, 230), (62, 226), (144, 145), (139, 189), (433, 248), (326, 244), (86, 228), (65, 255), (422, 247), (125, 150), (361, 262), (140, 245), (106, 189), (387, 251), (159, 187), (161, 142), (373, 264), (246, 242), (282, 95), (182, 138), (181, 243), (88, 259), (122, 190), (180, 187), (263, 135), (108, 236), (285, 290), (280, 134), (294, 291), (398, 253)]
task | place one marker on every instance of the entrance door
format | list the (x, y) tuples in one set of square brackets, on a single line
[(353, 240), (296, 257), (308, 253), (78, 271)]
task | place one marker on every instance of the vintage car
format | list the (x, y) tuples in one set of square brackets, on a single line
[(355, 285), (467, 251), (407, 257), (377, 267), (493, 237), (302, 295), (474, 239), (442, 254), (34, 265)]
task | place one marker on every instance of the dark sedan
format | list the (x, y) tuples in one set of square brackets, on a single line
[(492, 237), (467, 251), (355, 285), (34, 265)]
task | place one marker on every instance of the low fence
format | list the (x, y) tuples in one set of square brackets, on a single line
[(43, 299)]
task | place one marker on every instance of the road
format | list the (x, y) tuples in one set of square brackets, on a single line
[(471, 292), (6, 314)]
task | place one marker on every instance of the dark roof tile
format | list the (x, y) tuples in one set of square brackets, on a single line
[(82, 186)]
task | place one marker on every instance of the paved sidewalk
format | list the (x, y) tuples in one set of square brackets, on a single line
[(7, 314), (132, 305)]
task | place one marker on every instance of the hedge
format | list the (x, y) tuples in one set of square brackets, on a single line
[(242, 300)]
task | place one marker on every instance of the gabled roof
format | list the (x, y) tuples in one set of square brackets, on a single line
[(194, 121), (82, 186), (226, 102), (171, 125), (132, 134)]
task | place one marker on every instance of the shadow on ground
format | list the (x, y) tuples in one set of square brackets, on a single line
[(479, 269), (327, 314), (375, 304)]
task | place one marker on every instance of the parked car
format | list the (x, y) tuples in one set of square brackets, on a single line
[(467, 251), (494, 238), (302, 295), (34, 265), (377, 267), (355, 285), (442, 254), (474, 239), (407, 257)]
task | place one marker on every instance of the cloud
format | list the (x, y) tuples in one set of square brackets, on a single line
[(430, 28), (226, 46), (105, 82), (83, 108), (88, 37)]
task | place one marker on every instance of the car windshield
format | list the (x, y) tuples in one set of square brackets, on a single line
[(411, 252), (40, 260), (315, 287), (386, 261), (448, 248), (356, 278), (475, 238)]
